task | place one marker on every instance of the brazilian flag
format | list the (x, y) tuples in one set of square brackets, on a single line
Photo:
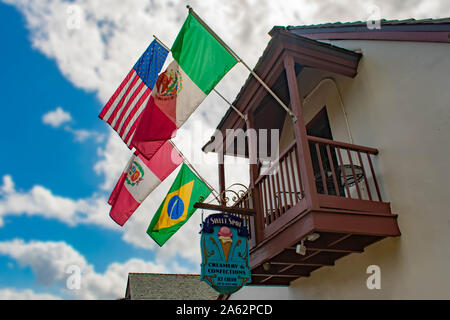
[(178, 206)]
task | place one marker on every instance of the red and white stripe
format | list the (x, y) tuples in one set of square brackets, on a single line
[(123, 109)]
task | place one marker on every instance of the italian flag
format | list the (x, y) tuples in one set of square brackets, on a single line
[(200, 62)]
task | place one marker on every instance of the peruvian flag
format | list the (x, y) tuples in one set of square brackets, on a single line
[(139, 179), (200, 62)]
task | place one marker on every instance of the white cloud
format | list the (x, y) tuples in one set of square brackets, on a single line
[(50, 262), (8, 185), (113, 158), (27, 294), (81, 135), (56, 117), (59, 116), (42, 202)]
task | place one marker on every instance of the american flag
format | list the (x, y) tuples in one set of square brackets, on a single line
[(125, 106)]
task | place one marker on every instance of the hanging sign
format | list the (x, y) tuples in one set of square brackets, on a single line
[(224, 246)]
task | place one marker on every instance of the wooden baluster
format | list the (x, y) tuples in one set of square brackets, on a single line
[(280, 199), (282, 191), (302, 191), (369, 194), (343, 172), (259, 206), (283, 186), (288, 182), (322, 173), (270, 193), (333, 173), (265, 195), (355, 178), (291, 177), (374, 177), (274, 194), (263, 198), (271, 199), (294, 180)]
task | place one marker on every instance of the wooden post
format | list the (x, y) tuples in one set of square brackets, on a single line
[(256, 194), (305, 162)]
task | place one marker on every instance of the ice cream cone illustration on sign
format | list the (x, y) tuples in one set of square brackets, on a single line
[(225, 237)]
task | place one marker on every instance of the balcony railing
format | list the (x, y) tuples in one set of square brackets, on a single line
[(344, 170), (344, 179), (281, 185)]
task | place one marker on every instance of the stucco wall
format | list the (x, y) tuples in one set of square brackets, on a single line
[(399, 103)]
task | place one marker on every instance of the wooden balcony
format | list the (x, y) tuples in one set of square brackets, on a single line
[(344, 207), (317, 186)]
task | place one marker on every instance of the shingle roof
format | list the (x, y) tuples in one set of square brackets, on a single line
[(383, 22), (410, 24), (157, 286)]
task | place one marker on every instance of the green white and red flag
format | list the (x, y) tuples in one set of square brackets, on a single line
[(200, 62)]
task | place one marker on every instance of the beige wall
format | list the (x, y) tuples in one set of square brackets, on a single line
[(399, 103)]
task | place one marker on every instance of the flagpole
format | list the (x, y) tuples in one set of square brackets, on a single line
[(210, 187), (244, 117), (191, 10)]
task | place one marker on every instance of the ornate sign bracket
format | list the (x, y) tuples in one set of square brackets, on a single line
[(216, 207), (237, 196)]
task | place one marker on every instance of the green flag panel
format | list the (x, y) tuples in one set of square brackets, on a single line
[(200, 55)]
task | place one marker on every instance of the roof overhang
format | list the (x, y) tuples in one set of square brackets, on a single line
[(424, 30), (306, 53)]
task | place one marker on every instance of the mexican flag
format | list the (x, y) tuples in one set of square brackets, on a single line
[(200, 62), (178, 206)]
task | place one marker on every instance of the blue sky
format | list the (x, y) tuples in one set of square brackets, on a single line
[(35, 153), (59, 161), (31, 86), (38, 154)]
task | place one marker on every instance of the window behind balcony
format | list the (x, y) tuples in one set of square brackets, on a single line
[(319, 126)]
